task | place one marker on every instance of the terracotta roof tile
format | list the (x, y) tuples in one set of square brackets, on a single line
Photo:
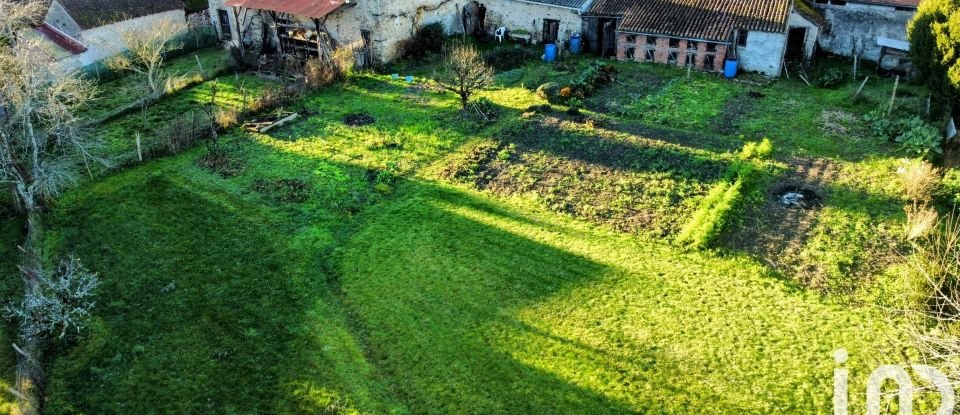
[(571, 4), (696, 19), (310, 8), (896, 3)]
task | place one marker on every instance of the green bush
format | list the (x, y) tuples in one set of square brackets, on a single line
[(507, 58), (761, 150), (713, 215), (920, 138), (830, 78), (549, 91), (429, 39), (915, 135), (949, 190), (718, 210)]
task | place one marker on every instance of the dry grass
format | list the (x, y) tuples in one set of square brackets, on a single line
[(919, 180), (920, 221)]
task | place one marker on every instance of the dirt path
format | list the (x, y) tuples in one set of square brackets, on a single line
[(777, 233)]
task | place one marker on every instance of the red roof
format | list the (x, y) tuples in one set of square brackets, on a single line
[(309, 8), (61, 39), (898, 3), (711, 20)]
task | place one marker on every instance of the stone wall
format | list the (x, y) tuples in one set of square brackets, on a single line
[(763, 52), (858, 26), (389, 21)]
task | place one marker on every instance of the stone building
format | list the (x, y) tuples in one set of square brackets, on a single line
[(380, 25), (547, 21), (703, 33), (79, 33), (854, 26), (377, 26)]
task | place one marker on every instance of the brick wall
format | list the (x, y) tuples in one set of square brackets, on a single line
[(721, 56), (662, 52)]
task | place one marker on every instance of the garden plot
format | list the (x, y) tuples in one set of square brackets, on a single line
[(154, 124), (632, 183)]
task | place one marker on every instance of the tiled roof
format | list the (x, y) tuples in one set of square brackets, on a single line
[(95, 13), (696, 19), (896, 3), (309, 8), (571, 4)]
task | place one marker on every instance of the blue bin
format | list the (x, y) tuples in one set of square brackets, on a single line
[(730, 68), (550, 53), (575, 44)]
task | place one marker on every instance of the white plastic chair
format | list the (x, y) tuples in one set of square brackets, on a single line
[(500, 33)]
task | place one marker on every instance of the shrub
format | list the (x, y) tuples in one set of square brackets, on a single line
[(503, 59), (711, 217), (919, 180), (318, 73), (284, 190), (429, 39), (484, 108), (757, 150), (464, 72), (920, 138), (549, 91), (226, 118), (830, 78), (949, 190), (718, 209), (182, 133)]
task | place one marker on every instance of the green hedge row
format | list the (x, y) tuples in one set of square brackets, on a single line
[(719, 209)]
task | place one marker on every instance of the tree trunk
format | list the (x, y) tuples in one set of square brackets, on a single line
[(30, 378)]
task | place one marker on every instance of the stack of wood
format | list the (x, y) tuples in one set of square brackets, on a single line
[(267, 123)]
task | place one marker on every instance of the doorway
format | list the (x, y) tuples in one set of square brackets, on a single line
[(606, 37), (551, 30), (796, 45)]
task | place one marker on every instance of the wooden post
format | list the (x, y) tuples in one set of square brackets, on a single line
[(859, 90), (856, 61), (199, 65), (139, 148), (893, 97), (929, 98)]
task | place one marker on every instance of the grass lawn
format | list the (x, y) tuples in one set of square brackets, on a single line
[(127, 89), (430, 262)]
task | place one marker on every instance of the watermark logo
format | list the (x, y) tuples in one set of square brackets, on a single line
[(899, 375)]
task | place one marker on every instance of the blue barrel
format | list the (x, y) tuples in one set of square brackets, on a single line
[(550, 54), (575, 44), (730, 68)]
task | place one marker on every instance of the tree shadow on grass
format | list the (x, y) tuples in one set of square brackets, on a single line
[(201, 309), (425, 274)]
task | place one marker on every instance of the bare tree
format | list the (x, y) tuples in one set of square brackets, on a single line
[(42, 143), (933, 308), (464, 72), (146, 49)]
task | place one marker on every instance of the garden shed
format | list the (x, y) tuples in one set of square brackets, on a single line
[(546, 21), (703, 33)]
